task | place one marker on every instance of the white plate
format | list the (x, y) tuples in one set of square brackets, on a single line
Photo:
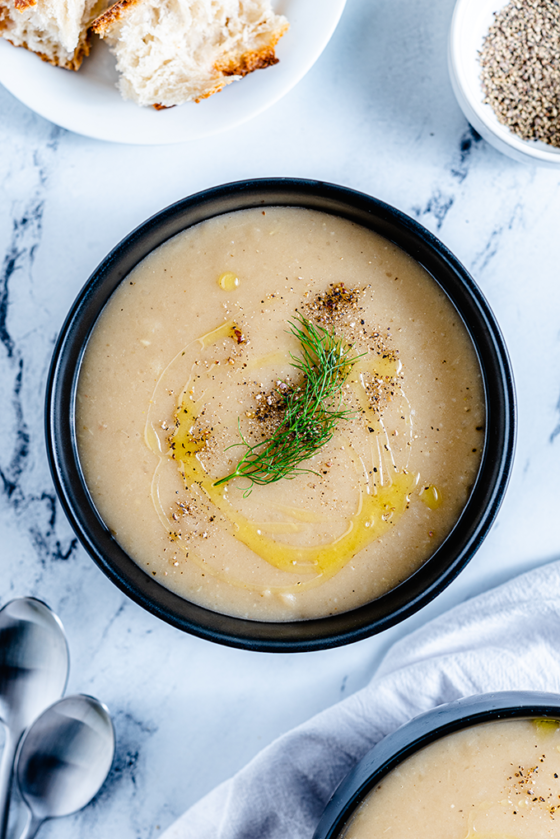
[(87, 102)]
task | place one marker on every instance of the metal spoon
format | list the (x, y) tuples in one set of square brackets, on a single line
[(64, 759), (33, 673)]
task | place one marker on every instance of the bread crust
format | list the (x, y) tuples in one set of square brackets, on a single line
[(73, 63), (241, 65), (20, 5), (114, 13)]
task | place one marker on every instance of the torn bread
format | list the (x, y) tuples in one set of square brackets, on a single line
[(57, 30), (174, 51)]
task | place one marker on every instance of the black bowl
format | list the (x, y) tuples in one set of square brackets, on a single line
[(487, 493), (420, 732)]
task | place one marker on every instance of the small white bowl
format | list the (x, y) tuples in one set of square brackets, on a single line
[(470, 23)]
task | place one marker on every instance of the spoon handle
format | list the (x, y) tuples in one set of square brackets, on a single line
[(6, 769), (31, 827)]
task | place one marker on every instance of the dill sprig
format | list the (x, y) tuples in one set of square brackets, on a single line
[(311, 409)]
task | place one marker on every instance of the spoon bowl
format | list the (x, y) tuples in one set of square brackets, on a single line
[(64, 759), (33, 674)]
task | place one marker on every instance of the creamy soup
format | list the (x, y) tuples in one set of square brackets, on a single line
[(498, 780), (198, 362)]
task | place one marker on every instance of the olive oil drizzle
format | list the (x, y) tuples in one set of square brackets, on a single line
[(375, 513), (379, 504)]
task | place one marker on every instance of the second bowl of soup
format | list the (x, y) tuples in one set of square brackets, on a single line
[(487, 766)]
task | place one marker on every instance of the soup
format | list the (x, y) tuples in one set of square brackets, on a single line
[(498, 780), (197, 363)]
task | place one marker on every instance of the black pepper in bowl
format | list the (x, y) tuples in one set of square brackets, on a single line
[(520, 60)]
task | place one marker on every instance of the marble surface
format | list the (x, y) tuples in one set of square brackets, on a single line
[(376, 113)]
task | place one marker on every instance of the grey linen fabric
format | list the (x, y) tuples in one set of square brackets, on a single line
[(505, 639)]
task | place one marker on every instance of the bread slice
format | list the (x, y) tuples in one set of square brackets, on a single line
[(57, 30), (174, 51)]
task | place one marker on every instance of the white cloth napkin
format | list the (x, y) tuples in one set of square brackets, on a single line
[(506, 639)]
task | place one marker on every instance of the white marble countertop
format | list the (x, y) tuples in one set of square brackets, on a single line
[(375, 113)]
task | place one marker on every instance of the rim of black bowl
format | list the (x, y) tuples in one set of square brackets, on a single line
[(499, 439), (420, 732)]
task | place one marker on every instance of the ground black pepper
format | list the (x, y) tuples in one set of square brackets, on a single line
[(520, 61)]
